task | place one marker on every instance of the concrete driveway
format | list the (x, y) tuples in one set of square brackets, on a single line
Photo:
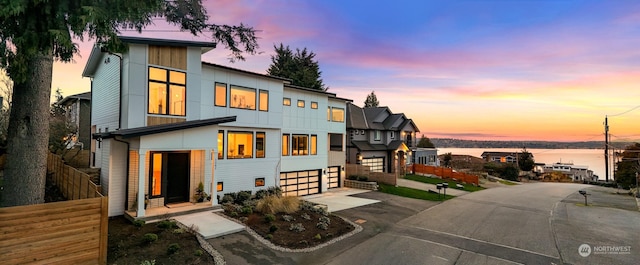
[(340, 199)]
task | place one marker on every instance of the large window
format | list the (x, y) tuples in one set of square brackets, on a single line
[(285, 144), (260, 142), (335, 142), (167, 90), (243, 98), (221, 95), (239, 145), (220, 144), (156, 174), (337, 114), (314, 144), (300, 145), (264, 100)]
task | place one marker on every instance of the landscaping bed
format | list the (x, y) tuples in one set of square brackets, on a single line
[(287, 222), (155, 243)]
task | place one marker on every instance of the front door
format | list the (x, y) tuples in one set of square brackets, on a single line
[(177, 176)]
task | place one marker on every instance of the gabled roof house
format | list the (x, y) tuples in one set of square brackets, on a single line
[(379, 138), (164, 121)]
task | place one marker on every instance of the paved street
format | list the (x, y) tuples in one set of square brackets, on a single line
[(538, 223)]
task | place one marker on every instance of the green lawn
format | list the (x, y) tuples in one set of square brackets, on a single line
[(434, 181), (411, 193), (507, 182)]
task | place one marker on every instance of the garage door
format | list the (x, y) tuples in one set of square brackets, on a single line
[(334, 177), (300, 183), (375, 164)]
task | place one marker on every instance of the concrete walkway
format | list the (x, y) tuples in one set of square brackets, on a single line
[(425, 186), (340, 199), (210, 224)]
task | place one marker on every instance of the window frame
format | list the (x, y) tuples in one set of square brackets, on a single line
[(221, 145), (259, 182), (313, 144), (314, 105), (260, 93), (392, 134), (333, 147), (236, 87), (244, 150), (377, 135), (168, 85), (263, 144), (333, 117), (301, 105), (215, 94), (286, 101), (295, 142), (286, 146)]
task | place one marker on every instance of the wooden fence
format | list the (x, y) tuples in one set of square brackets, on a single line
[(445, 173), (360, 170), (67, 232)]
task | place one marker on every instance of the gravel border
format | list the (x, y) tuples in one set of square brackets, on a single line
[(217, 257), (268, 243)]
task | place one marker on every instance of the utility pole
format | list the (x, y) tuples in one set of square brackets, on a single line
[(606, 148)]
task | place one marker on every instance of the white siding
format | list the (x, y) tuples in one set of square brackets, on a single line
[(117, 178), (106, 92), (135, 88)]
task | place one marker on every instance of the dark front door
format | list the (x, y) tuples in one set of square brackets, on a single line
[(177, 176)]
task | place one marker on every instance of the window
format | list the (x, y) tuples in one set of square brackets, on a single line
[(314, 144), (285, 144), (264, 100), (260, 141), (376, 136), (299, 145), (314, 105), (156, 174), (300, 103), (357, 132), (167, 90), (243, 98), (286, 101), (219, 186), (337, 114), (329, 114), (259, 182), (335, 142), (392, 134), (221, 95), (221, 144), (239, 145)]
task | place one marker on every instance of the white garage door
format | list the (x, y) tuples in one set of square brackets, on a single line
[(375, 164), (300, 183)]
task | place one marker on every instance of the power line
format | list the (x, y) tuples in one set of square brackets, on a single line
[(622, 113)]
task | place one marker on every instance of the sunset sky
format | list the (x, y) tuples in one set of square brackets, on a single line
[(490, 70)]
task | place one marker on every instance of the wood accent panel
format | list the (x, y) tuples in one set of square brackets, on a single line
[(169, 56), (155, 120), (68, 232)]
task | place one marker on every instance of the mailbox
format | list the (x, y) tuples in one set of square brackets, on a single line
[(583, 192), (439, 186)]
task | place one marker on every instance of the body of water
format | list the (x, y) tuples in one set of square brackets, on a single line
[(594, 158)]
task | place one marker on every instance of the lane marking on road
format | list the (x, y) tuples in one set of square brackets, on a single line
[(456, 248), (482, 241)]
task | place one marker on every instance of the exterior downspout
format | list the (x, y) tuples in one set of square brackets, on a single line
[(126, 188)]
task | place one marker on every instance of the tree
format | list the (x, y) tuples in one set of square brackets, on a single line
[(630, 164), (35, 33), (371, 101), (525, 160), (300, 67), (61, 130), (425, 142), (510, 172), (447, 159)]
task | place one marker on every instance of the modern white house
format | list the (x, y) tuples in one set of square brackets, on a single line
[(163, 122)]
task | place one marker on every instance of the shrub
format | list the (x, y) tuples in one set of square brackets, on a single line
[(269, 237), (324, 219), (261, 194), (198, 252), (268, 218), (290, 204), (317, 237), (274, 191), (288, 218), (167, 224), (173, 248), (322, 225), (269, 205), (307, 205), (352, 177), (138, 223), (273, 228), (148, 262), (233, 214), (247, 210), (150, 238), (362, 178), (178, 231), (305, 216), (242, 197), (297, 227), (227, 198), (320, 210)]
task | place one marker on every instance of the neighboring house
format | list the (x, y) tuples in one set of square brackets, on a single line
[(78, 111), (165, 121), (500, 157), (379, 138), (575, 172), (425, 156)]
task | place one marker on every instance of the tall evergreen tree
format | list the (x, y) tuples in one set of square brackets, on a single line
[(300, 67), (371, 101), (425, 142), (35, 33), (525, 160), (626, 169)]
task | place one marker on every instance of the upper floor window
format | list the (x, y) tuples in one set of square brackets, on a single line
[(264, 100), (337, 114), (221, 95), (314, 105), (167, 91), (376, 135), (314, 144), (392, 134), (300, 103), (286, 101), (335, 141), (242, 98), (329, 114), (299, 144)]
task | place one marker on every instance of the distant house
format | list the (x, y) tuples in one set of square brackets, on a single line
[(425, 156), (379, 138), (78, 111), (500, 157)]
